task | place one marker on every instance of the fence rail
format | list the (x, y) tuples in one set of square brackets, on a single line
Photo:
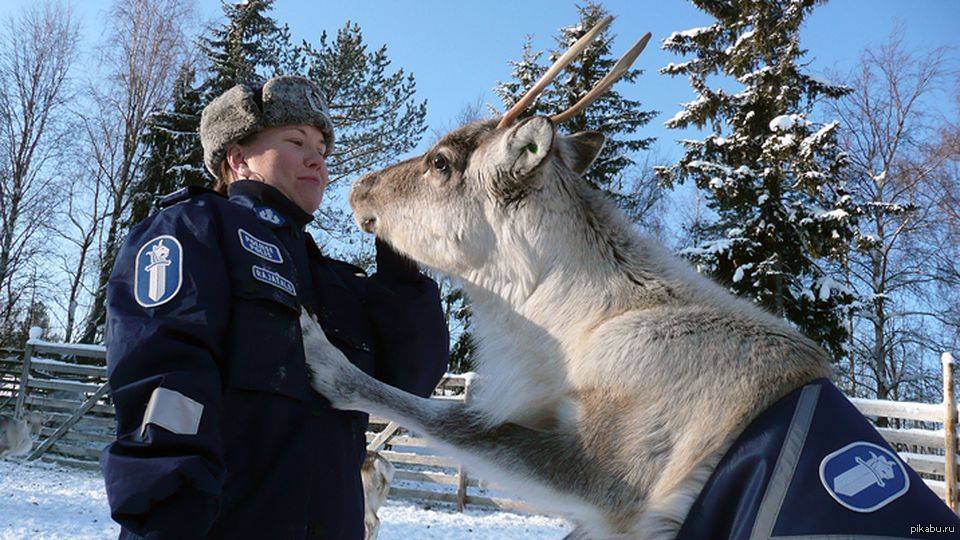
[(58, 380)]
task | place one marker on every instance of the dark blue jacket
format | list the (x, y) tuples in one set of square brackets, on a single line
[(219, 433), (812, 467)]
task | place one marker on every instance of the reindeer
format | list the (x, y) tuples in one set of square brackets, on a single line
[(612, 376), (376, 473), (16, 435)]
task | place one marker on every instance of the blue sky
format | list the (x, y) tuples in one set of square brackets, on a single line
[(458, 50)]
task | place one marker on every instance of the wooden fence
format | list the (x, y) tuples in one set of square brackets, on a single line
[(57, 380)]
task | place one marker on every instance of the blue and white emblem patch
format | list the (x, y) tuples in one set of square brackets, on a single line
[(260, 248), (269, 215), (272, 278), (863, 476), (159, 271)]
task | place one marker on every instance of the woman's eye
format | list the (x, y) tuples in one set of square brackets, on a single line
[(296, 142), (440, 163)]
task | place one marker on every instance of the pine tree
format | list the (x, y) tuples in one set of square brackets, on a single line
[(613, 115), (772, 176)]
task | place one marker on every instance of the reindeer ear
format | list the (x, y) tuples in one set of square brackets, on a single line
[(580, 150), (527, 144)]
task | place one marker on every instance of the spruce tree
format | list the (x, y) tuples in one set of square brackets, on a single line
[(175, 156), (375, 113), (618, 118), (770, 174), (248, 47)]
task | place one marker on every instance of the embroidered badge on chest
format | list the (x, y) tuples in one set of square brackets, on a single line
[(159, 271), (269, 215), (260, 248), (273, 278), (863, 476)]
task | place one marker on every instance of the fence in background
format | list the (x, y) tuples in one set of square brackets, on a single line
[(58, 380)]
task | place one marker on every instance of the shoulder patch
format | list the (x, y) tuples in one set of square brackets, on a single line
[(260, 248), (269, 215), (863, 476), (159, 271), (273, 278)]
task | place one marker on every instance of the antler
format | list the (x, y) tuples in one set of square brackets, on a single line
[(605, 83), (551, 73), (618, 70)]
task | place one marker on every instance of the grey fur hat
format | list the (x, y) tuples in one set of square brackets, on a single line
[(244, 110)]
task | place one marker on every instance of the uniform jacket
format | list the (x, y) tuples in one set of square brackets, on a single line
[(219, 433), (812, 467)]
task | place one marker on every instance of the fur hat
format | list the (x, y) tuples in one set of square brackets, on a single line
[(247, 109)]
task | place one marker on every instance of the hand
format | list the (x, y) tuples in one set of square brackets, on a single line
[(331, 374)]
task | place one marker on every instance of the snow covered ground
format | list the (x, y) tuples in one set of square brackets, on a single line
[(44, 501)]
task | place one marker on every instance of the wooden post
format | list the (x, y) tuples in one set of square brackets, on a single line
[(382, 437), (950, 430), (461, 471), (24, 377)]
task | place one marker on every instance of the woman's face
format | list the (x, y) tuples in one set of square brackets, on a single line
[(289, 158)]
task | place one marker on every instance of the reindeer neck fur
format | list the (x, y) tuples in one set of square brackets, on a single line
[(565, 261)]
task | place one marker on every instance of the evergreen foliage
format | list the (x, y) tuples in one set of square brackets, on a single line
[(618, 118), (772, 177)]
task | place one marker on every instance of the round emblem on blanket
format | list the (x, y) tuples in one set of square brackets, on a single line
[(863, 476), (159, 271)]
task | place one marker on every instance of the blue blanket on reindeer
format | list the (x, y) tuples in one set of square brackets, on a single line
[(812, 467)]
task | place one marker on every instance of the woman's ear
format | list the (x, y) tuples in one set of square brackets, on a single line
[(237, 162)]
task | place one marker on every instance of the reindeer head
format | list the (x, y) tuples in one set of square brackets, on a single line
[(468, 198)]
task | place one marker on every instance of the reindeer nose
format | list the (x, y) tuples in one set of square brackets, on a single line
[(368, 224)]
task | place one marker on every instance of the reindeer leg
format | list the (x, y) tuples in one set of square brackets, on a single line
[(555, 459)]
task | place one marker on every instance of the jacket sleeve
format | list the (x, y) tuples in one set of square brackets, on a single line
[(165, 471), (413, 341)]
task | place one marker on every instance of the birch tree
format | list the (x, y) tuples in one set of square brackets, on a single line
[(145, 46), (38, 48), (892, 176)]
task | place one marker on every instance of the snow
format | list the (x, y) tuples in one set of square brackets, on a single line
[(784, 122), (675, 120), (837, 213), (709, 247), (700, 164), (817, 138), (687, 34), (41, 500), (46, 501), (78, 347)]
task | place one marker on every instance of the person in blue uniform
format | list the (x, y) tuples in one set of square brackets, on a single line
[(219, 434)]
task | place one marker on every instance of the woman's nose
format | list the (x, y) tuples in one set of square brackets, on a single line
[(315, 160)]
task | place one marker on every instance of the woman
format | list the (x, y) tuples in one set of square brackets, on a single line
[(218, 432)]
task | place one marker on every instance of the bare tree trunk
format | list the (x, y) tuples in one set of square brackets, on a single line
[(891, 176), (37, 49), (145, 48)]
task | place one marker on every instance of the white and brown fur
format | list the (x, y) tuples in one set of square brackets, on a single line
[(612, 376), (16, 435), (376, 473)]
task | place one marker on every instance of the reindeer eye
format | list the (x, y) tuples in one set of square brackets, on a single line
[(440, 163)]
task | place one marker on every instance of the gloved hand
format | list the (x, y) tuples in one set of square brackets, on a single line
[(393, 265)]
